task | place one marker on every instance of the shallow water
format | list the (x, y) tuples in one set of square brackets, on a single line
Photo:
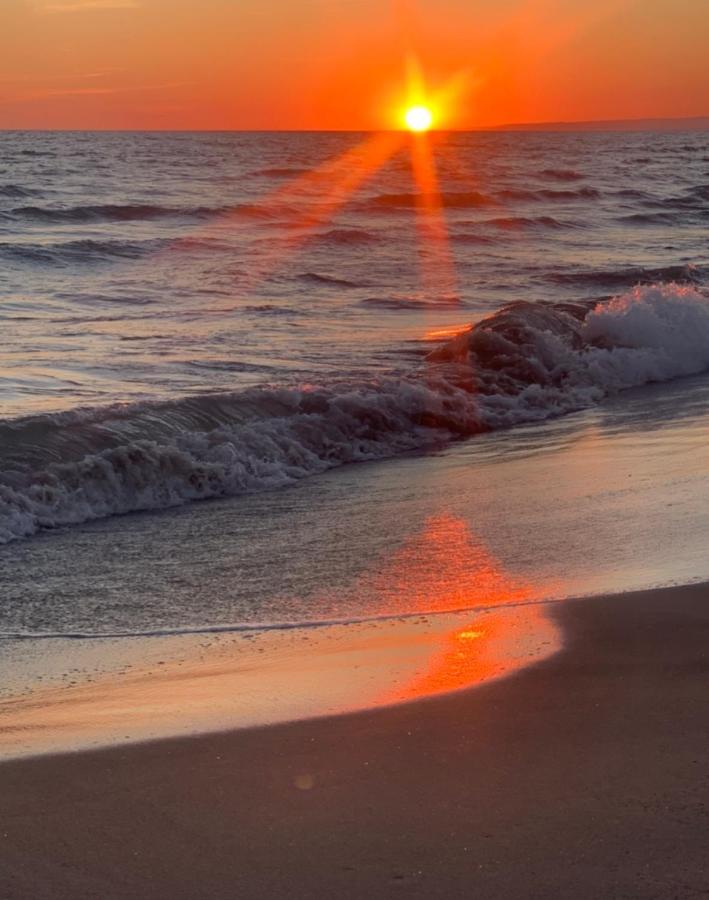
[(609, 499)]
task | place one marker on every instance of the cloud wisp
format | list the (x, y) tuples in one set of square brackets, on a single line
[(73, 6)]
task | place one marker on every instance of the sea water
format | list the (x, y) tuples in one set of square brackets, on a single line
[(248, 380)]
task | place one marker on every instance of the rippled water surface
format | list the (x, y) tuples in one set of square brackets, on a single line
[(151, 265), (196, 316)]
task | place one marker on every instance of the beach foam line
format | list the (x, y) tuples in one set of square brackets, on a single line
[(255, 627), (308, 624)]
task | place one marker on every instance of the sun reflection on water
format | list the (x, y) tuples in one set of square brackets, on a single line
[(442, 568)]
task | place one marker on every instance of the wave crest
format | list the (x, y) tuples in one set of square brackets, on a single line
[(562, 174), (527, 362), (81, 252), (564, 356), (448, 199), (111, 213)]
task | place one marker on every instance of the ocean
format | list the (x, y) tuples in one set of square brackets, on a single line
[(252, 380)]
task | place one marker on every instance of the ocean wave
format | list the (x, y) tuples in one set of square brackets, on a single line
[(553, 194), (264, 212), (693, 198), (584, 193), (17, 191), (628, 277), (523, 194), (448, 199), (511, 223), (99, 213), (110, 213), (527, 362), (332, 280), (272, 309), (632, 194), (230, 365), (81, 252), (657, 218), (345, 237), (432, 303), (562, 174), (467, 237), (475, 199), (535, 360)]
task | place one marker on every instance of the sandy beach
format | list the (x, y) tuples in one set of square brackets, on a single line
[(581, 775), (354, 485)]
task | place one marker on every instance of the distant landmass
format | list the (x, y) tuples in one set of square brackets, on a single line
[(693, 123)]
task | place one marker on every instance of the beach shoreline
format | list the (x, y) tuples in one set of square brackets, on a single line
[(111, 692), (580, 775)]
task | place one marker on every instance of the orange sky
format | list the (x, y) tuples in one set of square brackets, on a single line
[(321, 64)]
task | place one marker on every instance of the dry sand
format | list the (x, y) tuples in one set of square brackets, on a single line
[(583, 776)]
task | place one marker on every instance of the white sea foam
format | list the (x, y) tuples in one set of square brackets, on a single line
[(528, 362)]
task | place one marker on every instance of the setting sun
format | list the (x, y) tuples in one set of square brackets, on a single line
[(418, 118)]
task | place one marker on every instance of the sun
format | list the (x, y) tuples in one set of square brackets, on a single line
[(418, 118)]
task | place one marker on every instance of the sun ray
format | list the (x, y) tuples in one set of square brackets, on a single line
[(437, 271), (308, 201), (305, 203), (353, 169), (438, 275)]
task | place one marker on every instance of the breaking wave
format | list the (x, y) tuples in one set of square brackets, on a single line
[(527, 362)]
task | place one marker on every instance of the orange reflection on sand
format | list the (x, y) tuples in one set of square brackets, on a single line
[(447, 568), (496, 643)]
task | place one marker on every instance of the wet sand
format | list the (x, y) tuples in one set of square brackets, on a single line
[(165, 687), (583, 775)]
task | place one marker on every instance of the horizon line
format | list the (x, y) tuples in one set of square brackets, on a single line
[(551, 125)]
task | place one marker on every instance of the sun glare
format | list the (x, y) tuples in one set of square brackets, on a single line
[(418, 118)]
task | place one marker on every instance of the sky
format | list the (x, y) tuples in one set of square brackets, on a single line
[(342, 64)]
